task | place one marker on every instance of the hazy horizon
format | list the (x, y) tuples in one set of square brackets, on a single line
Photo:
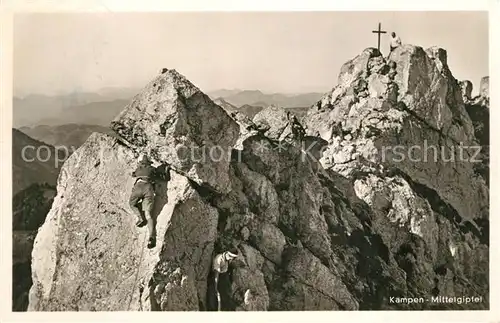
[(97, 91), (274, 52)]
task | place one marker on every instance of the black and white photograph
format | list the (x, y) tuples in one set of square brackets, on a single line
[(229, 161)]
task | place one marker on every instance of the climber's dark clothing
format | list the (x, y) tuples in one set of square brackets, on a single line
[(147, 172), (143, 188), (144, 171), (223, 286), (144, 191)]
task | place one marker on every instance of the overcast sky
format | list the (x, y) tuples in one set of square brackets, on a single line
[(273, 52)]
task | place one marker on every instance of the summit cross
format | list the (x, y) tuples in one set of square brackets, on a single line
[(379, 31)]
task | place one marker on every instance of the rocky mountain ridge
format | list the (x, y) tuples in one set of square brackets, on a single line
[(321, 219)]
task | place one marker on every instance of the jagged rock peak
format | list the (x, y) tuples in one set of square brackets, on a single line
[(406, 99), (484, 87), (482, 99), (466, 88), (175, 123), (89, 255), (278, 124)]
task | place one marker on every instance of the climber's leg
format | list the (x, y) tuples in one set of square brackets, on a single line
[(135, 196), (147, 205), (219, 302)]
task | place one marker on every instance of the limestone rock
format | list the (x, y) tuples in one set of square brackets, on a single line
[(247, 127), (421, 130), (173, 121), (484, 87), (483, 98), (269, 240), (308, 271), (466, 88), (278, 124), (250, 283), (89, 255), (400, 204), (478, 110), (335, 227)]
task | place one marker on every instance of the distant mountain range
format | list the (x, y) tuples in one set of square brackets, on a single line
[(71, 135), (33, 162), (101, 107), (28, 112), (78, 107), (96, 113), (258, 98)]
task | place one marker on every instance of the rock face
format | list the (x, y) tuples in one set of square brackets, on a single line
[(478, 109), (278, 124), (173, 121), (398, 127), (482, 99), (90, 256), (312, 233), (484, 87), (466, 88), (409, 118)]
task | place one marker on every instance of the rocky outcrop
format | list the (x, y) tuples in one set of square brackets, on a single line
[(478, 109), (312, 234), (89, 255), (382, 122), (482, 99), (484, 87), (278, 124), (466, 88), (404, 112), (175, 123)]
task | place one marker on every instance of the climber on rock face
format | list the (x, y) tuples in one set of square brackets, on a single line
[(143, 190), (395, 41), (220, 266)]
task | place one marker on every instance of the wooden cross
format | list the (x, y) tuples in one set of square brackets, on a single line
[(379, 31)]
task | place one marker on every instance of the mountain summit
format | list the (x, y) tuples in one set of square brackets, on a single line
[(320, 219)]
